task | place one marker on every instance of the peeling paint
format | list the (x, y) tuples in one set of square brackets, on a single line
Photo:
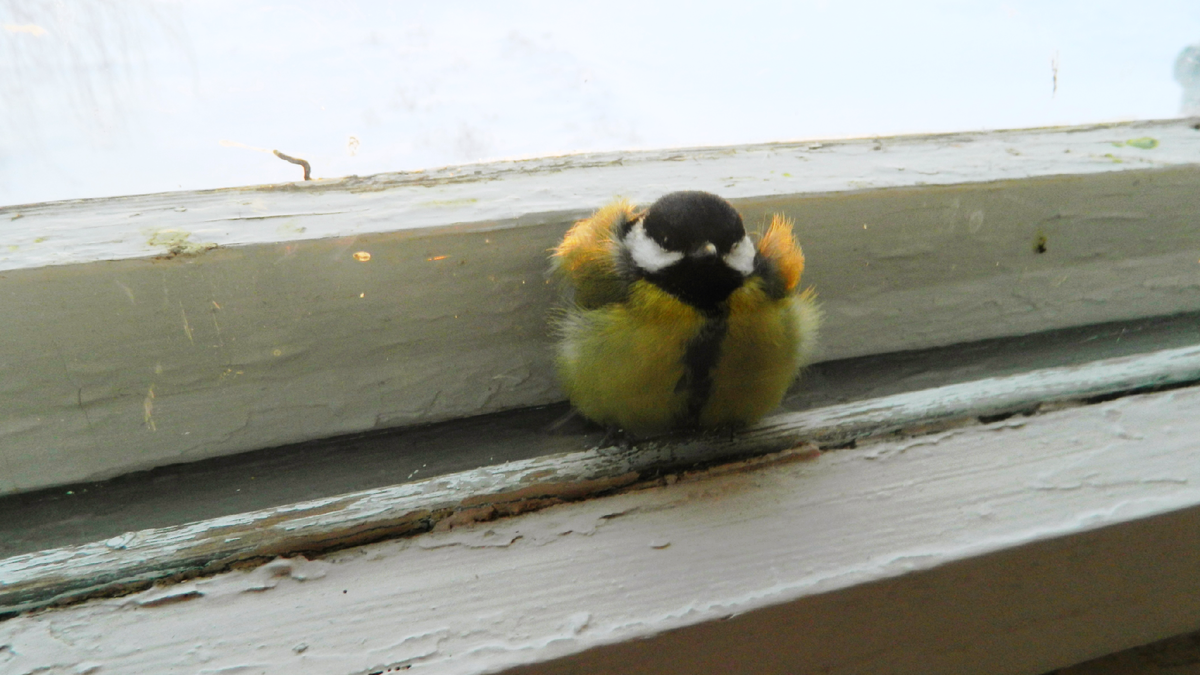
[(148, 410), (472, 500), (715, 551), (1145, 143), (177, 243)]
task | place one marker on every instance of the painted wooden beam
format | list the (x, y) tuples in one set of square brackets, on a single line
[(142, 331), (504, 193), (1013, 547), (137, 558)]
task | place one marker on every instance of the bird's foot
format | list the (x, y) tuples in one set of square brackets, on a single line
[(617, 437)]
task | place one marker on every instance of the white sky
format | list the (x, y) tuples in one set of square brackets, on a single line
[(108, 97)]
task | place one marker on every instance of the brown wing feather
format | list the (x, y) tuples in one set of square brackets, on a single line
[(779, 245), (587, 258)]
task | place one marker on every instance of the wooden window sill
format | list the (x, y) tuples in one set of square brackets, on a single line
[(1022, 518), (1048, 538)]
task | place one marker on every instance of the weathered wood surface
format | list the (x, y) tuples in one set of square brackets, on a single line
[(512, 193), (130, 342), (1017, 546), (32, 580)]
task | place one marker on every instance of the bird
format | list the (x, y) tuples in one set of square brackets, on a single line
[(676, 320)]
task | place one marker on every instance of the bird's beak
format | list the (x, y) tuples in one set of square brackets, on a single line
[(708, 250)]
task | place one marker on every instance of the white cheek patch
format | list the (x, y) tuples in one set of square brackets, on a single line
[(741, 256), (646, 252)]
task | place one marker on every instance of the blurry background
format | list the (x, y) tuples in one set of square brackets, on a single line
[(110, 97)]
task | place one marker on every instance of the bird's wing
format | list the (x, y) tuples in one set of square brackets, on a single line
[(782, 265), (779, 247), (588, 257)]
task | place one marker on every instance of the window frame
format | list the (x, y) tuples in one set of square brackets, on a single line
[(1051, 595)]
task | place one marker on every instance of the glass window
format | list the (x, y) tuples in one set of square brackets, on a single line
[(105, 98)]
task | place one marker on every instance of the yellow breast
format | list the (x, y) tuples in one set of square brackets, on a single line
[(620, 364), (767, 342), (623, 364)]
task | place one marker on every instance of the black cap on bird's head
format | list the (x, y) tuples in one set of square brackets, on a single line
[(690, 221), (692, 245)]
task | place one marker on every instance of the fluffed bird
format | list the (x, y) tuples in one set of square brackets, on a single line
[(676, 319)]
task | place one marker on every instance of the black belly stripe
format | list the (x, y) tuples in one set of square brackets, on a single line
[(699, 360)]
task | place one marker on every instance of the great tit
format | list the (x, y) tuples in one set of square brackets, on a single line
[(676, 320)]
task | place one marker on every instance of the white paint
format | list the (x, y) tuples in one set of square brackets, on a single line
[(994, 394), (741, 256), (129, 227), (707, 546), (647, 254)]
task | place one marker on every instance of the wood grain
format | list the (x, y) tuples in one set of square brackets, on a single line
[(1014, 547)]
